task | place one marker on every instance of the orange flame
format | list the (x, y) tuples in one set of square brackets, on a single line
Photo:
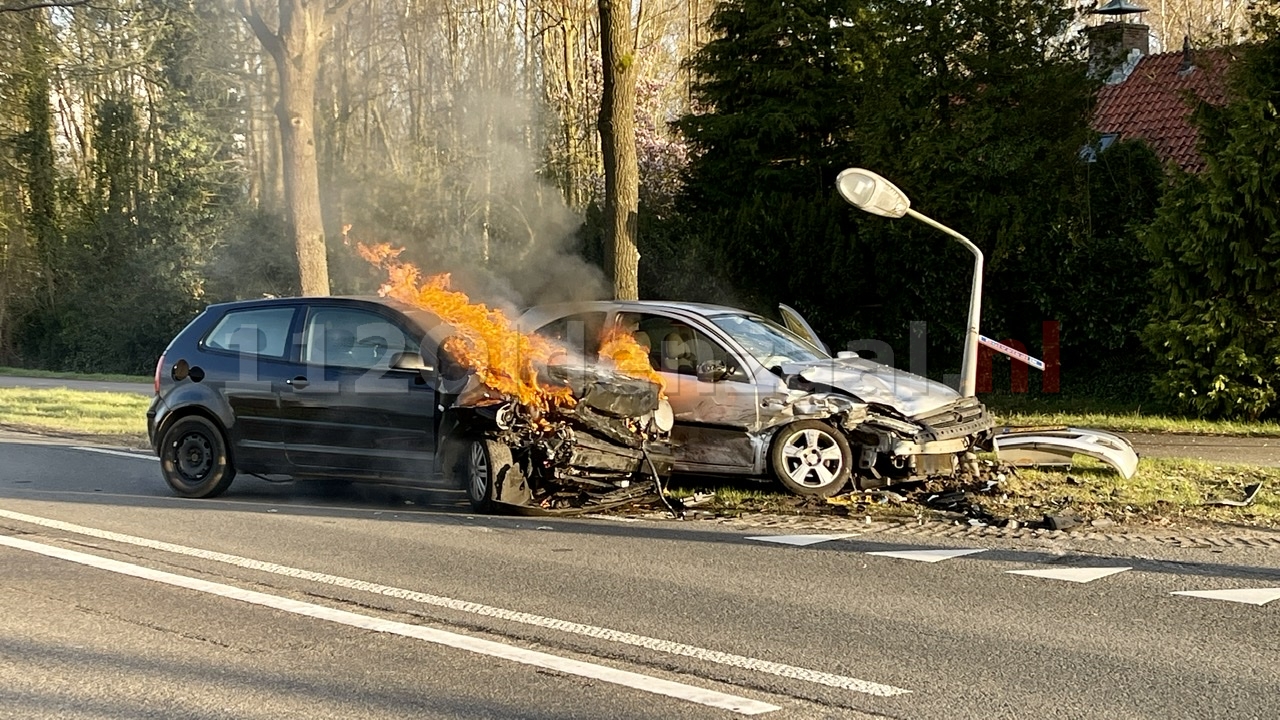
[(486, 342), (628, 356)]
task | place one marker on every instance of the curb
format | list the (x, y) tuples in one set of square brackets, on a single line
[(1262, 539), (1185, 541)]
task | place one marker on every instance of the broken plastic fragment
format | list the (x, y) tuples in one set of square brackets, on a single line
[(1250, 493)]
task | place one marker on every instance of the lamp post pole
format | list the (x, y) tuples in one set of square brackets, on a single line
[(868, 191), (969, 365)]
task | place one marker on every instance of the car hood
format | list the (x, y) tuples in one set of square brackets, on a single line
[(874, 383)]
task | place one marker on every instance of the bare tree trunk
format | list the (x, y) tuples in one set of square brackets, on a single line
[(295, 46), (572, 153), (296, 113), (617, 126), (486, 106)]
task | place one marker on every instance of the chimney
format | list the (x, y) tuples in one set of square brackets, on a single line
[(1113, 43), (1188, 59)]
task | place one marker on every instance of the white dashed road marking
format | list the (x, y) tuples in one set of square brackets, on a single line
[(929, 556), (1252, 596), (1075, 575), (624, 638), (801, 540), (120, 453), (647, 683)]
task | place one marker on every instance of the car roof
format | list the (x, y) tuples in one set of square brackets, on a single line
[(296, 300), (695, 308)]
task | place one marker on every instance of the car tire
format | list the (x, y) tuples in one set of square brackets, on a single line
[(194, 458), (809, 457), (484, 463)]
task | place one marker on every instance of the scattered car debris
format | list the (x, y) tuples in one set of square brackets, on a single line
[(696, 499), (1060, 522), (1250, 494)]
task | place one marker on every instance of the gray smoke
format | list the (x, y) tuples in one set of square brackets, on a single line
[(532, 235)]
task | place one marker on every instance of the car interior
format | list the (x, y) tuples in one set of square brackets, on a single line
[(681, 348)]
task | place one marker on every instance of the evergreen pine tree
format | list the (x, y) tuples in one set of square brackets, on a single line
[(1216, 242)]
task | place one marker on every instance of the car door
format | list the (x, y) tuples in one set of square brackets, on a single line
[(713, 416), (352, 412), (247, 357)]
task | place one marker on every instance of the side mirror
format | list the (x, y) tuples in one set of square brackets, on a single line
[(847, 355), (410, 361), (712, 371)]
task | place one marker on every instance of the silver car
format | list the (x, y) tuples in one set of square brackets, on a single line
[(753, 398)]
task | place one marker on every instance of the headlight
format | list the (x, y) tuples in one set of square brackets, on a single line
[(664, 418)]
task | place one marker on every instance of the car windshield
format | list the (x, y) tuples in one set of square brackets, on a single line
[(767, 341)]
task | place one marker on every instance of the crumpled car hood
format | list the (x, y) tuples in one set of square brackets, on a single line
[(872, 382)]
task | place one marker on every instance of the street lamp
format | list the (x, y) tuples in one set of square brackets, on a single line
[(868, 191)]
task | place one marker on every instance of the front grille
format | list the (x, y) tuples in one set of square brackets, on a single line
[(964, 417)]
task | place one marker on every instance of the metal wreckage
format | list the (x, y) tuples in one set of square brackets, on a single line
[(608, 446)]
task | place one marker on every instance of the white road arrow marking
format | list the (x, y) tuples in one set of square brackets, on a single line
[(801, 540), (1075, 575), (929, 556), (1251, 596)]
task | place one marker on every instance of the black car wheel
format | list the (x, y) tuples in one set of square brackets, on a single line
[(193, 457), (810, 457)]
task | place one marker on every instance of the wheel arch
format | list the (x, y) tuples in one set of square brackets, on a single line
[(186, 411)]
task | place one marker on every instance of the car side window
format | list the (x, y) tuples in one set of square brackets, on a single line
[(260, 331), (675, 346), (348, 337), (577, 333)]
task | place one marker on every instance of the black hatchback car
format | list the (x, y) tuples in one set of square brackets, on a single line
[(360, 389)]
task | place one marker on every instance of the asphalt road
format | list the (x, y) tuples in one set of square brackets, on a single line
[(141, 388), (280, 600)]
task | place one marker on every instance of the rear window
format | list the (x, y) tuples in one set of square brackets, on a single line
[(261, 331)]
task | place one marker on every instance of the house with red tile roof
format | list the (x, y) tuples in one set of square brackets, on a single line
[(1151, 97)]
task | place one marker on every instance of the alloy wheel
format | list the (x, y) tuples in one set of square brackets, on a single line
[(812, 458), (478, 469)]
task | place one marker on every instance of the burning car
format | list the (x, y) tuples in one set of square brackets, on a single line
[(401, 389), (753, 398)]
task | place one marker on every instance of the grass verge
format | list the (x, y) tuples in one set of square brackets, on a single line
[(1164, 492), (95, 377), (116, 418), (1039, 409)]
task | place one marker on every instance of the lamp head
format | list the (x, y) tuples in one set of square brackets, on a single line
[(868, 191)]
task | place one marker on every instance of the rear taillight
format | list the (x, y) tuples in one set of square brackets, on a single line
[(159, 366)]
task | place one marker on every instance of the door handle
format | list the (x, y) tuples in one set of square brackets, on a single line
[(297, 383)]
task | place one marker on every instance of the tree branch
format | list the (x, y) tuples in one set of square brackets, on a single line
[(41, 5), (338, 8), (268, 37), (635, 36)]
